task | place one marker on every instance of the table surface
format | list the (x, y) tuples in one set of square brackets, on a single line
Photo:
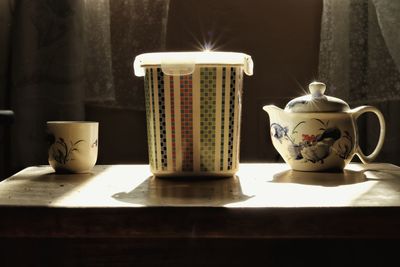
[(264, 200), (255, 185)]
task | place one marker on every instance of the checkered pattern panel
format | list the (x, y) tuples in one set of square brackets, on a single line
[(159, 149), (147, 92), (222, 119), (173, 131), (207, 118), (161, 107), (186, 122), (231, 116), (153, 112)]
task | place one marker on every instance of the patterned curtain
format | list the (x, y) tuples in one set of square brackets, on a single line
[(360, 61), (64, 54)]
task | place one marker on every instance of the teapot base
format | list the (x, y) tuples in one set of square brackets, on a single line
[(330, 165)]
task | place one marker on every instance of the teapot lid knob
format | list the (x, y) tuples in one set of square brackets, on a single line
[(317, 89), (316, 101)]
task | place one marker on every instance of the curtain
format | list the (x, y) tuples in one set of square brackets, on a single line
[(360, 61), (64, 54)]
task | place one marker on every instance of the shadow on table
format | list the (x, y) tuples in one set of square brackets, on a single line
[(185, 192), (370, 172), (344, 177)]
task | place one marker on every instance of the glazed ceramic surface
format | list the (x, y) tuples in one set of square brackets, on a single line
[(73, 145), (309, 139)]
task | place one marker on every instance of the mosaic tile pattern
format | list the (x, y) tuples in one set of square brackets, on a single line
[(208, 89), (153, 112), (207, 118), (163, 128), (186, 122), (147, 89), (222, 119), (173, 137), (231, 116)]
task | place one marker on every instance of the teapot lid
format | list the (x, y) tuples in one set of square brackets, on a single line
[(316, 101)]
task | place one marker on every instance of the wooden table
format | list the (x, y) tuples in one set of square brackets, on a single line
[(120, 214)]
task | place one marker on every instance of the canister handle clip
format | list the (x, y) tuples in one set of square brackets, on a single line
[(177, 68)]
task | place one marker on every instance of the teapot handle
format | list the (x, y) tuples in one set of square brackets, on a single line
[(356, 113)]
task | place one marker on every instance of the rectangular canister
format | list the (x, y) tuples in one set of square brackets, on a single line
[(193, 111)]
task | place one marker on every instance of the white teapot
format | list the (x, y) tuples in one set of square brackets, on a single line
[(316, 132)]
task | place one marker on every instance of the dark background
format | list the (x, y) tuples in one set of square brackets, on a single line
[(281, 36)]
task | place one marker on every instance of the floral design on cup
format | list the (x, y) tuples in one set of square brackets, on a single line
[(315, 147), (61, 151)]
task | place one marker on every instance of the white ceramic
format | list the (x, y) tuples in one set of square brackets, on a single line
[(318, 132), (73, 145)]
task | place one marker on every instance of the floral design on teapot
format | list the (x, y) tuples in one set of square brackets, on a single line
[(314, 147)]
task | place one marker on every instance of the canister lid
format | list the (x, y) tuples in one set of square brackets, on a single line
[(316, 101), (183, 63)]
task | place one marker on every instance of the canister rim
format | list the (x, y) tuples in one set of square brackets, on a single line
[(193, 58)]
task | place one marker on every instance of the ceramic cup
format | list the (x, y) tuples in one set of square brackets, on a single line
[(73, 145)]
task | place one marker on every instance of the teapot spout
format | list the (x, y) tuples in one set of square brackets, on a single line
[(273, 112), (272, 109)]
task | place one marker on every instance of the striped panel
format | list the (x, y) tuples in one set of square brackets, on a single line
[(186, 122), (153, 121), (196, 119), (231, 116), (222, 119), (193, 121), (149, 120), (161, 108), (218, 103), (168, 127), (178, 133), (207, 118), (226, 118), (173, 132), (236, 119), (157, 120)]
